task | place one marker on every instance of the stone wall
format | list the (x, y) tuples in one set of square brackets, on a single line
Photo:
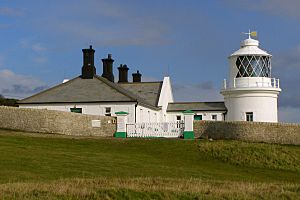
[(49, 121), (281, 133)]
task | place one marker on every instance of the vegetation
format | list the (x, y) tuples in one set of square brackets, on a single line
[(260, 155), (7, 102), (36, 166)]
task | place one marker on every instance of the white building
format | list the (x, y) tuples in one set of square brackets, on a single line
[(251, 93), (92, 94)]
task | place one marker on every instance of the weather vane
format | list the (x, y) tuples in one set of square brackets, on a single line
[(251, 33)]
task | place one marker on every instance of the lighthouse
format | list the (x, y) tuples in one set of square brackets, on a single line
[(251, 93)]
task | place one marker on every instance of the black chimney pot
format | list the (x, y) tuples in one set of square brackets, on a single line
[(108, 68), (88, 69), (137, 77), (123, 74)]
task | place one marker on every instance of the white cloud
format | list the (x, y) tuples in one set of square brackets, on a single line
[(17, 85), (38, 47)]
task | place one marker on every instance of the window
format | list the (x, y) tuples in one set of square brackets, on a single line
[(249, 116), (178, 117), (197, 117), (214, 117), (253, 66), (76, 110), (108, 111)]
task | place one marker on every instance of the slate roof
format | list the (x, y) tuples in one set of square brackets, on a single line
[(98, 89), (196, 106), (146, 90)]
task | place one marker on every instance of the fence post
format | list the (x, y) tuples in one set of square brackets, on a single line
[(121, 124), (188, 132)]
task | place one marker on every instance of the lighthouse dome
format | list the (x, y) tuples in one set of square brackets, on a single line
[(250, 47)]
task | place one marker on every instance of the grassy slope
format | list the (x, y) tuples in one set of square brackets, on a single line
[(40, 160)]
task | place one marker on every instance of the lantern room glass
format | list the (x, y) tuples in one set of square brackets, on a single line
[(253, 66)]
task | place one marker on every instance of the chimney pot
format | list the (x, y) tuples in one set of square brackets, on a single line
[(137, 77), (108, 68), (88, 69), (123, 74)]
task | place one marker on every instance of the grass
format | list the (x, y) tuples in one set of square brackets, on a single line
[(35, 166), (260, 155)]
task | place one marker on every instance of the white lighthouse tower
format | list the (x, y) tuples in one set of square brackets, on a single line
[(251, 93)]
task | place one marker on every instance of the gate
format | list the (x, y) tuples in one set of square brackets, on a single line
[(162, 129)]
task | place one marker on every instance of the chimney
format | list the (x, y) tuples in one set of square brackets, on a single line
[(88, 69), (137, 77), (108, 68), (123, 74)]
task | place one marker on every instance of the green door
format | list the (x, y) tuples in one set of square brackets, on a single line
[(197, 117)]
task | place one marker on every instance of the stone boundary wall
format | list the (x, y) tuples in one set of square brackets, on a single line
[(280, 133), (50, 121)]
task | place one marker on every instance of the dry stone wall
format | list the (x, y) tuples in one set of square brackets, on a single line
[(281, 133), (49, 121)]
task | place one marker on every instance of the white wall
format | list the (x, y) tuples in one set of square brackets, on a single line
[(172, 116), (144, 114), (166, 97), (262, 104), (89, 108)]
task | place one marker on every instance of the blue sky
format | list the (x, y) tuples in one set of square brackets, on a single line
[(190, 40)]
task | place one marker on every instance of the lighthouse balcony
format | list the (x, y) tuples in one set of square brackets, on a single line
[(251, 82)]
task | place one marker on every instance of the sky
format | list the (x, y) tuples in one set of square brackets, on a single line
[(188, 40)]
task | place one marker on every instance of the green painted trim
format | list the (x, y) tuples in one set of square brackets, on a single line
[(188, 135), (121, 113), (120, 135), (188, 112)]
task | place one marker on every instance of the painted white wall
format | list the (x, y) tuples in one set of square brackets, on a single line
[(144, 114), (165, 97), (172, 116), (89, 108), (262, 103)]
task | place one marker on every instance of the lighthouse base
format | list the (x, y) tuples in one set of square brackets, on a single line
[(246, 104)]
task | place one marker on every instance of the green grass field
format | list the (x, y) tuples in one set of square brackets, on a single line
[(45, 166)]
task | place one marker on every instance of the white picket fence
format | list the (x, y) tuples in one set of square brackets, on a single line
[(163, 129)]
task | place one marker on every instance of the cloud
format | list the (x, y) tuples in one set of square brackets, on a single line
[(107, 23), (2, 59), (204, 91), (10, 11), (286, 67), (289, 59), (289, 114), (288, 8), (19, 86), (38, 47), (208, 85)]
